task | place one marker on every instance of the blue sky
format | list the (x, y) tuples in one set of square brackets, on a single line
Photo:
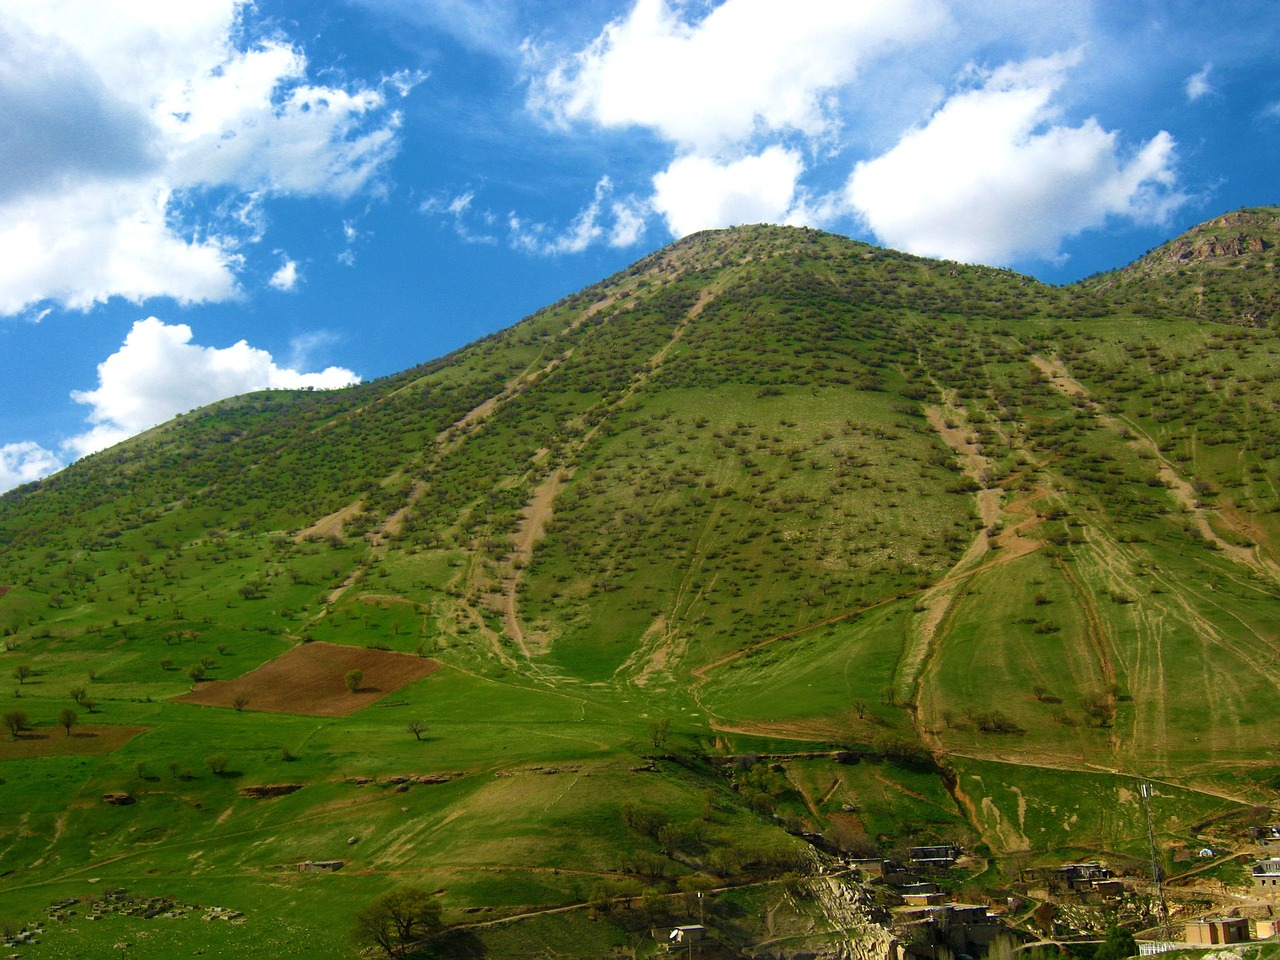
[(207, 198)]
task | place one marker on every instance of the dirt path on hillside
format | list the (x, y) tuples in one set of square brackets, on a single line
[(532, 528), (940, 599), (934, 617), (540, 507), (1183, 493), (659, 649)]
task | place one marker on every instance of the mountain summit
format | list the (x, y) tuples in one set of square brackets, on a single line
[(1223, 270)]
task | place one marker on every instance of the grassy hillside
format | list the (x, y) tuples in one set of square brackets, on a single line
[(773, 534)]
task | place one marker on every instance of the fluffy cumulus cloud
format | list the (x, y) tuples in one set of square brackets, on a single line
[(158, 373), (836, 114), (992, 177), (121, 115), (286, 276), (695, 193), (24, 462), (1198, 84), (748, 65), (725, 90)]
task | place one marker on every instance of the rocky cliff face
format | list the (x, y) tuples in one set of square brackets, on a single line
[(1227, 237)]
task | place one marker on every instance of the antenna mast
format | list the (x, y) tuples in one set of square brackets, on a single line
[(1157, 873)]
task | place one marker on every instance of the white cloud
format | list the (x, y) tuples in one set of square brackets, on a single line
[(748, 65), (86, 243), (24, 462), (471, 226), (127, 112), (158, 373), (991, 177), (286, 277), (1198, 84), (767, 108), (620, 222), (695, 193)]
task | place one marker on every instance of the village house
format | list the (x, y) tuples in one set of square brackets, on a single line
[(679, 938), (940, 857), (1266, 875), (958, 927), (321, 866), (1211, 932)]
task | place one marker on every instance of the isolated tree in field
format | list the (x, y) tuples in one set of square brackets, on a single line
[(396, 920), (217, 764), (21, 672), (417, 728), (195, 673), (240, 702), (78, 695), (352, 680), (658, 730), (16, 721), (67, 719)]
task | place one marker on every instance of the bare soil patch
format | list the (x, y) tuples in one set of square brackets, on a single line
[(54, 742), (331, 526), (4, 589), (309, 679)]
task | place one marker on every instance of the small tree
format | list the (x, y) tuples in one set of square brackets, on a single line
[(21, 672), (195, 673), (352, 680), (217, 764), (67, 719), (16, 721), (140, 768), (417, 728), (240, 702), (658, 730), (173, 768), (1119, 943), (78, 695), (397, 919)]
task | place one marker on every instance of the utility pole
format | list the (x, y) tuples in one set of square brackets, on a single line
[(1157, 873)]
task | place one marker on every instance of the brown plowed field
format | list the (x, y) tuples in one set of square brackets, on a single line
[(310, 679)]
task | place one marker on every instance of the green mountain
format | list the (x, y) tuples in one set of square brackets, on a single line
[(774, 539)]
